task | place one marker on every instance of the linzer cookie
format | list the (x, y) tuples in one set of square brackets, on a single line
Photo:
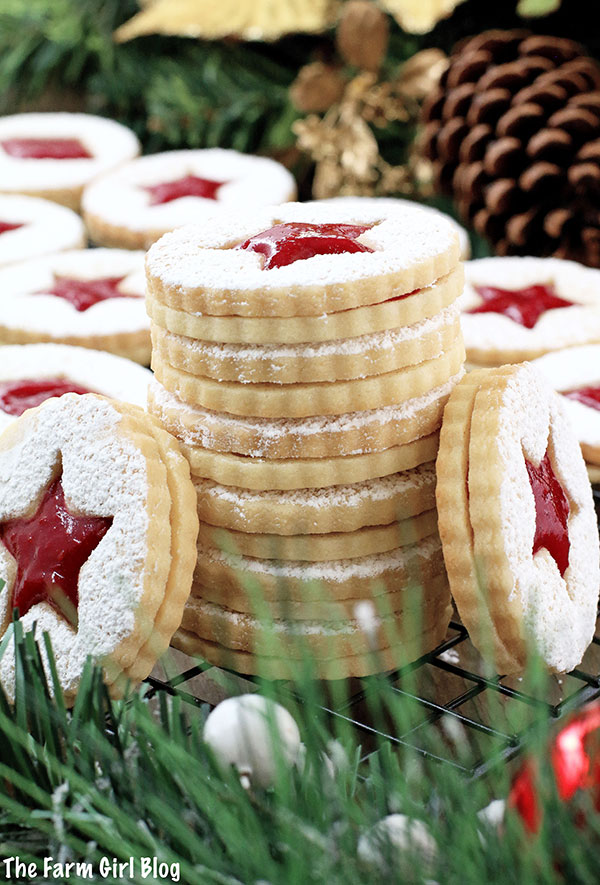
[(516, 309), (321, 436), (32, 373), (517, 520), (89, 297), (343, 324), (575, 374), (101, 489), (337, 360), (54, 155), (307, 399), (139, 202), (300, 260), (303, 357), (30, 227), (340, 508)]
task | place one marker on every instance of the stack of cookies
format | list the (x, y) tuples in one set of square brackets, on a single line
[(303, 356)]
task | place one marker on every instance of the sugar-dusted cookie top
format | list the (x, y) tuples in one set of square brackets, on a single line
[(517, 520), (87, 492), (57, 154), (519, 308), (300, 259), (394, 203), (137, 203), (90, 294), (32, 373), (30, 227), (575, 374)]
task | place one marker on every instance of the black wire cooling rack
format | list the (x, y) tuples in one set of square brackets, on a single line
[(447, 688)]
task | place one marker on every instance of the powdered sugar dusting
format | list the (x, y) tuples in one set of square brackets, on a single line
[(46, 227), (120, 198), (103, 474), (409, 559), (557, 328), (559, 611), (399, 240), (196, 426), (108, 142), (51, 315), (95, 370)]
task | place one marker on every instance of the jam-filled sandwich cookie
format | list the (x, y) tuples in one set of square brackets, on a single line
[(30, 227), (516, 309), (136, 204), (89, 297), (97, 536), (517, 520), (302, 261), (32, 373), (575, 374), (393, 203), (55, 155)]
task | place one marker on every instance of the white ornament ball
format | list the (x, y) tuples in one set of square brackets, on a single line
[(400, 840), (253, 734)]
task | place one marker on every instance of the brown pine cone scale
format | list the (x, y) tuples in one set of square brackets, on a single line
[(513, 134)]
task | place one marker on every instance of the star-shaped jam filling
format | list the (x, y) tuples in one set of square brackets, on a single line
[(83, 294), (523, 306), (5, 226), (285, 243), (25, 393), (50, 549), (551, 513), (46, 148), (589, 396), (188, 186)]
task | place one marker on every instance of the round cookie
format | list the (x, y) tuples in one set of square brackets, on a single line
[(364, 541), (30, 227), (139, 202), (353, 433), (237, 577), (99, 486), (55, 155), (516, 309), (88, 297), (393, 204), (575, 373), (32, 373), (311, 399), (339, 360), (517, 520), (334, 509), (253, 264)]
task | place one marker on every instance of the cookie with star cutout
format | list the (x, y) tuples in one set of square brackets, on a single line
[(517, 520), (30, 227), (136, 204), (86, 297), (97, 536), (515, 309), (55, 155)]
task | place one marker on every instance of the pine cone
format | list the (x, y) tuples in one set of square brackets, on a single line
[(513, 131)]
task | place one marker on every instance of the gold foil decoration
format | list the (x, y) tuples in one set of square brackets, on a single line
[(419, 16), (216, 19)]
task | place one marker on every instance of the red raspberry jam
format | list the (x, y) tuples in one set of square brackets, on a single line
[(523, 306), (589, 396), (26, 393), (50, 548), (189, 186), (83, 294), (46, 149), (5, 227), (551, 513), (285, 243)]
